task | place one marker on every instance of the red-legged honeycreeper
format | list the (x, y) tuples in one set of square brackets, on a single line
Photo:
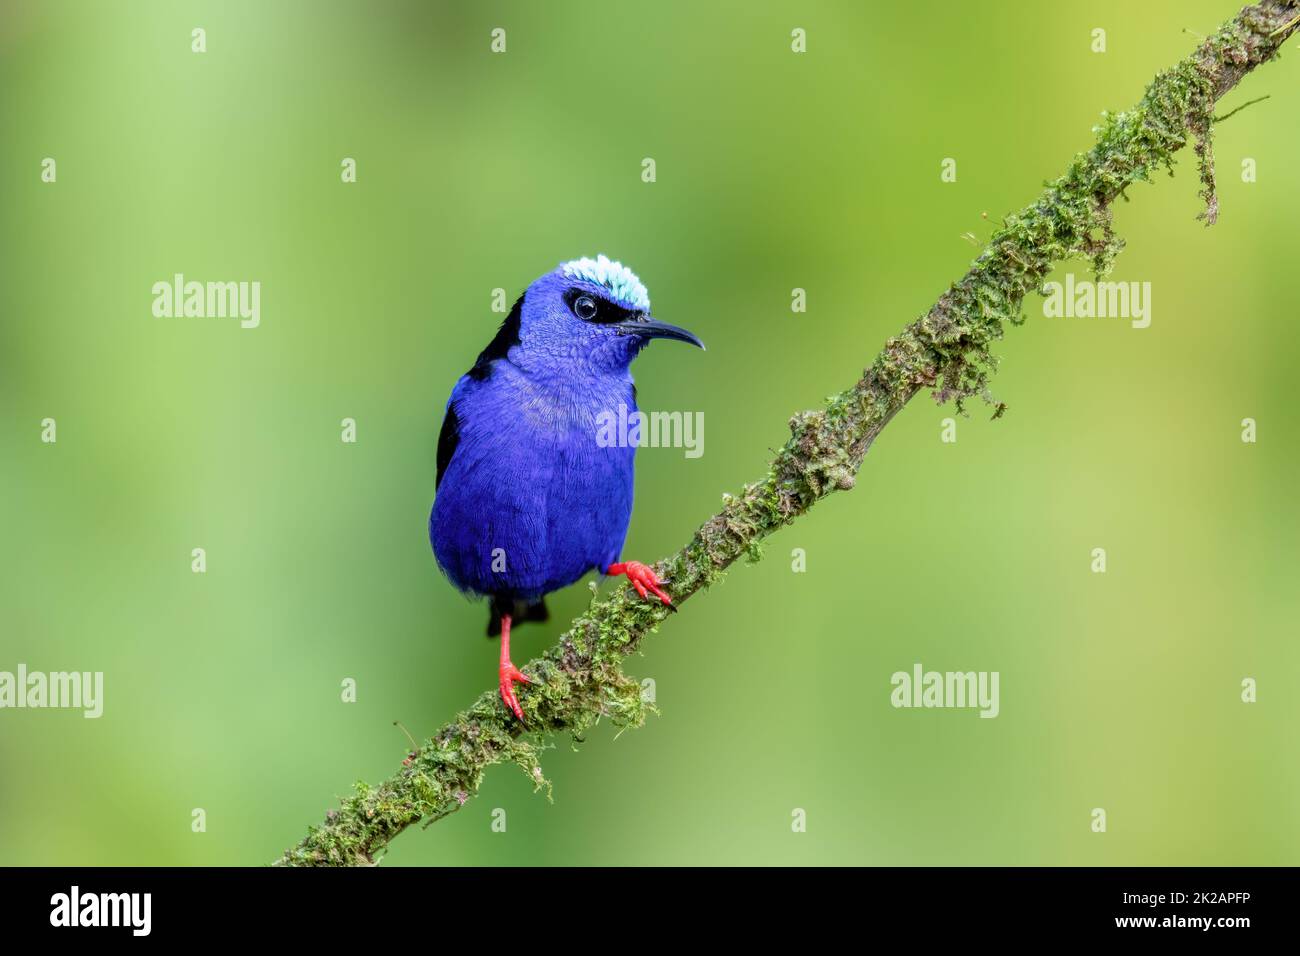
[(528, 497)]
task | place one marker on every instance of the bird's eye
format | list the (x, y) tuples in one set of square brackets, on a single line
[(584, 307)]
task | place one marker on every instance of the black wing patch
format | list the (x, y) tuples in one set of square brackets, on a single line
[(448, 439), (506, 336)]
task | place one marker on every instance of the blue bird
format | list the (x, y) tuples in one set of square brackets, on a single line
[(529, 496)]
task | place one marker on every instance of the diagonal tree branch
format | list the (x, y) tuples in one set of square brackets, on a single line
[(947, 350)]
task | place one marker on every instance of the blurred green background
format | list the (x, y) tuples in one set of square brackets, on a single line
[(774, 171)]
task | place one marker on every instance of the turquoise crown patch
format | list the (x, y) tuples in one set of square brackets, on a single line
[(621, 281)]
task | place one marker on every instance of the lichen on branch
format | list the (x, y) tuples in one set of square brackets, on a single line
[(948, 350)]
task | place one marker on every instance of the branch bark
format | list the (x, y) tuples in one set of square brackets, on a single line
[(947, 350)]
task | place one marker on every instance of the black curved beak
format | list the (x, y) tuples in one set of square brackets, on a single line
[(650, 328)]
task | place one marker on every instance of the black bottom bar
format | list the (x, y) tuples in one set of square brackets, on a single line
[(218, 905)]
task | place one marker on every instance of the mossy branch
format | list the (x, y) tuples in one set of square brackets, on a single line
[(947, 350)]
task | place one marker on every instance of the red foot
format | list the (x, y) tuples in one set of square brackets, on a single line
[(643, 579), (508, 673)]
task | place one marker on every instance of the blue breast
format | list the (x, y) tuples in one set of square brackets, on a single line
[(529, 501)]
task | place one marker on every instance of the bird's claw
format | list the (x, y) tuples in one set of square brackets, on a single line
[(644, 580), (509, 675)]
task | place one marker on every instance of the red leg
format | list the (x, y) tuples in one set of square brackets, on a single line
[(642, 578), (508, 672)]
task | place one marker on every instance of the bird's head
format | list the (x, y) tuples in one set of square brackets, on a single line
[(592, 313)]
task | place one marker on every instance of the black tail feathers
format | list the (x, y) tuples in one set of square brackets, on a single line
[(520, 612)]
